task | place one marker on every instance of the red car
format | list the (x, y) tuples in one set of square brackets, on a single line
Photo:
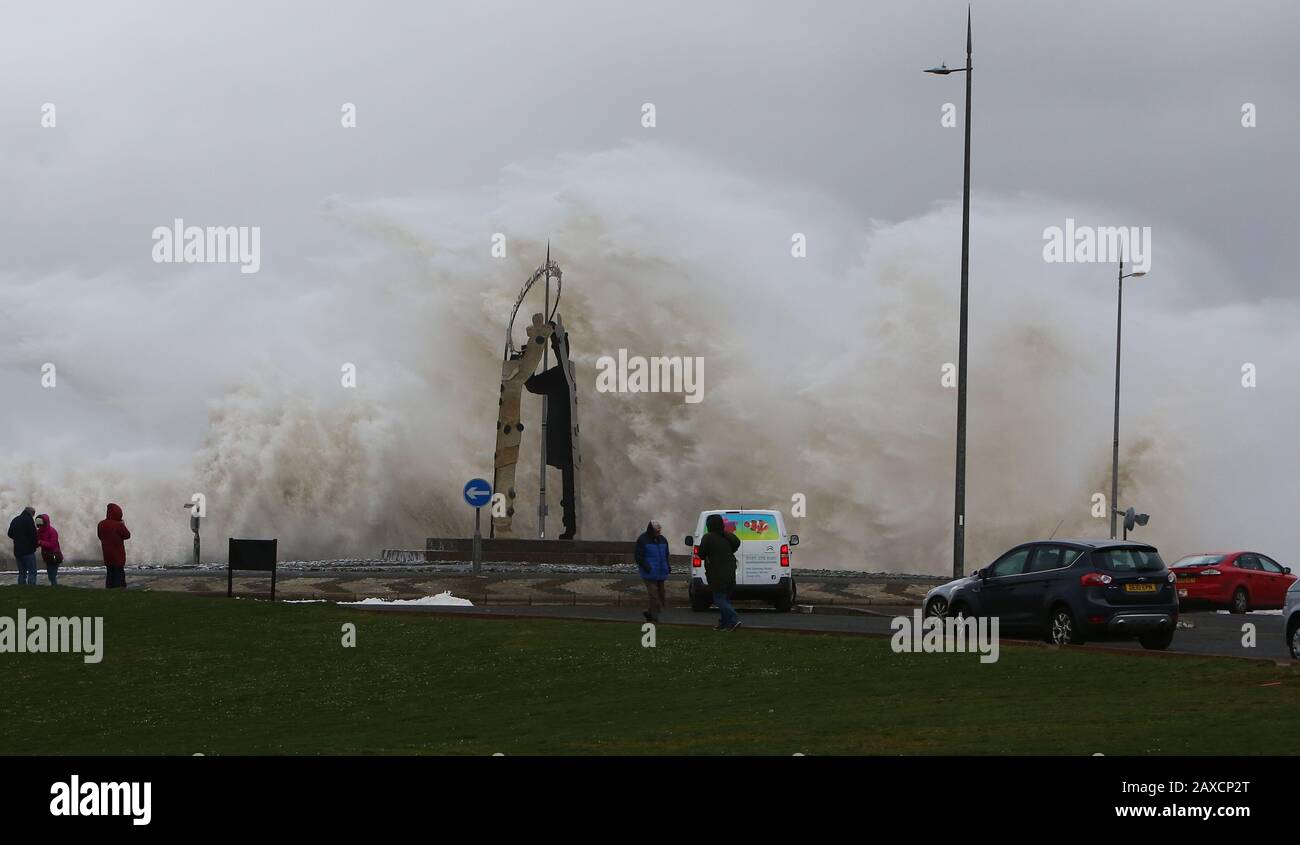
[(1239, 581)]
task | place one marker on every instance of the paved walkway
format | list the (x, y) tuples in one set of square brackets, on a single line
[(497, 588)]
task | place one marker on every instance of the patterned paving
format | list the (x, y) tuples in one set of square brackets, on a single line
[(516, 588)]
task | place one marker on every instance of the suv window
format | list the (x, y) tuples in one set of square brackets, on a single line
[(1051, 557), (1128, 560), (1249, 562), (1011, 563), (1270, 565)]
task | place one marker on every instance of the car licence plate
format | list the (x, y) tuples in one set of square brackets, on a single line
[(1140, 588)]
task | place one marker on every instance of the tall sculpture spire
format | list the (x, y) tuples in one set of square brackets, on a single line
[(546, 364)]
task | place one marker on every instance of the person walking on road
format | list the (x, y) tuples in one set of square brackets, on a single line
[(48, 539), (652, 560), (718, 551), (112, 536), (22, 530)]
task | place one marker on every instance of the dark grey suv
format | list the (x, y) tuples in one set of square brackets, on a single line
[(1069, 591)]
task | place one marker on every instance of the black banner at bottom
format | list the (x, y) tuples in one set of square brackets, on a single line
[(140, 795)]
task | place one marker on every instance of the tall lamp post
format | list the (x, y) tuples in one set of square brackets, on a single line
[(1114, 454), (194, 526), (959, 505)]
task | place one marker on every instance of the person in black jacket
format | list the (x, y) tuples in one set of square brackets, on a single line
[(718, 551), (22, 530)]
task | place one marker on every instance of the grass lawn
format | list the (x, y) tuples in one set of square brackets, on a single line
[(184, 674)]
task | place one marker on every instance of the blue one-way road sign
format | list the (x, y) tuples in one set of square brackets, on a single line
[(478, 492)]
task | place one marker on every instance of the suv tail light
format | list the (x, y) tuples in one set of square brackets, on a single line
[(695, 557), (785, 555), (1095, 579), (1172, 577)]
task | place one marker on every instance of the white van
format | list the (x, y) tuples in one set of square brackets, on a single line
[(763, 569)]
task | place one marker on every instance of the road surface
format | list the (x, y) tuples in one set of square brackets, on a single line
[(1200, 632)]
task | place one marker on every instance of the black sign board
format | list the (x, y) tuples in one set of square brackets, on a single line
[(250, 555)]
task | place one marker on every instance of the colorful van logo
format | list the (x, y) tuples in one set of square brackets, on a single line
[(755, 526)]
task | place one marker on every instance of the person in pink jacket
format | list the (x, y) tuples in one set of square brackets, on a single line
[(47, 539)]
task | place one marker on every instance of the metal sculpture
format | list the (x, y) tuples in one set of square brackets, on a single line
[(558, 388)]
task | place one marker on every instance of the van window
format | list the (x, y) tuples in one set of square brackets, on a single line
[(754, 526)]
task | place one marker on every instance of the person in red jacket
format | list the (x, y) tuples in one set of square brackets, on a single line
[(48, 540), (112, 534)]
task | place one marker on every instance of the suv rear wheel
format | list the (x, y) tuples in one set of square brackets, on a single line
[(1062, 628)]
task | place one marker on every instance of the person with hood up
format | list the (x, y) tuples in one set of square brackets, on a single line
[(718, 551), (112, 536), (652, 560), (48, 539), (22, 530)]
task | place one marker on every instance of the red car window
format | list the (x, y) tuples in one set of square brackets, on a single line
[(1270, 566)]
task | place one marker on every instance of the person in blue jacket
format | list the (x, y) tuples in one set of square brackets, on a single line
[(652, 560)]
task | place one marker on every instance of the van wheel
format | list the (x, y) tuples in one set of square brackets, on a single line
[(1240, 601), (1157, 642), (1062, 629), (700, 602), (1293, 638), (785, 601)]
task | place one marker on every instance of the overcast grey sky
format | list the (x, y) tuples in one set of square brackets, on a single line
[(230, 111)]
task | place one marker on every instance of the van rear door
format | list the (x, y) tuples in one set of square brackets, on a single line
[(758, 562)]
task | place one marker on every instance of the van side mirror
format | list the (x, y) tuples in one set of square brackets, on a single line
[(794, 541), (690, 540)]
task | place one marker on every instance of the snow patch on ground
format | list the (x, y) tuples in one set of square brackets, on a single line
[(445, 599), (1276, 612)]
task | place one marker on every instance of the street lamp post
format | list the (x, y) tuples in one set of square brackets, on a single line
[(959, 505), (194, 527), (1114, 454)]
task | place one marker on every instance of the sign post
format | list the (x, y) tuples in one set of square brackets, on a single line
[(252, 555), (477, 493)]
